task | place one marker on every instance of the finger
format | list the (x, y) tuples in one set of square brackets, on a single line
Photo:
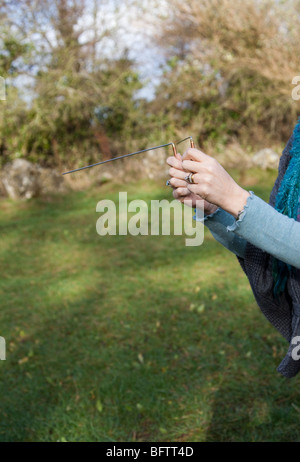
[(198, 190), (180, 192), (197, 178), (175, 173), (193, 188), (173, 162), (176, 183), (191, 166), (195, 154), (178, 156)]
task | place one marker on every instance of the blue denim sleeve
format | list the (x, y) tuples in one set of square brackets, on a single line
[(218, 223), (261, 225)]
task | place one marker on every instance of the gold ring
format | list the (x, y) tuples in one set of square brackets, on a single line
[(189, 178)]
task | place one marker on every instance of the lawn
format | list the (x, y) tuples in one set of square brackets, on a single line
[(132, 338)]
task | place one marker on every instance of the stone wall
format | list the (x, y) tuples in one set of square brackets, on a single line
[(21, 179)]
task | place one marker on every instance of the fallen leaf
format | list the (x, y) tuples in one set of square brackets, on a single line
[(201, 308), (99, 406)]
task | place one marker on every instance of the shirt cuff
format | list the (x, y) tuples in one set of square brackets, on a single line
[(266, 228), (200, 216), (237, 223)]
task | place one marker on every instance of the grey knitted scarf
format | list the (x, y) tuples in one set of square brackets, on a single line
[(282, 312)]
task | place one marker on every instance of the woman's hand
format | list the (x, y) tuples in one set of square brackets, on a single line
[(179, 185), (213, 183)]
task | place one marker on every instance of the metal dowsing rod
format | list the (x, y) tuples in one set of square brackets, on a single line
[(188, 138), (134, 153)]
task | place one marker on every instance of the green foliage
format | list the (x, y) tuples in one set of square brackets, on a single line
[(227, 77), (12, 49), (80, 102), (229, 69)]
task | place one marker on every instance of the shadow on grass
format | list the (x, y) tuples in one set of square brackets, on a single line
[(108, 340), (102, 375)]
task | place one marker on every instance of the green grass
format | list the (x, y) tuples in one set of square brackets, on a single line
[(127, 338)]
